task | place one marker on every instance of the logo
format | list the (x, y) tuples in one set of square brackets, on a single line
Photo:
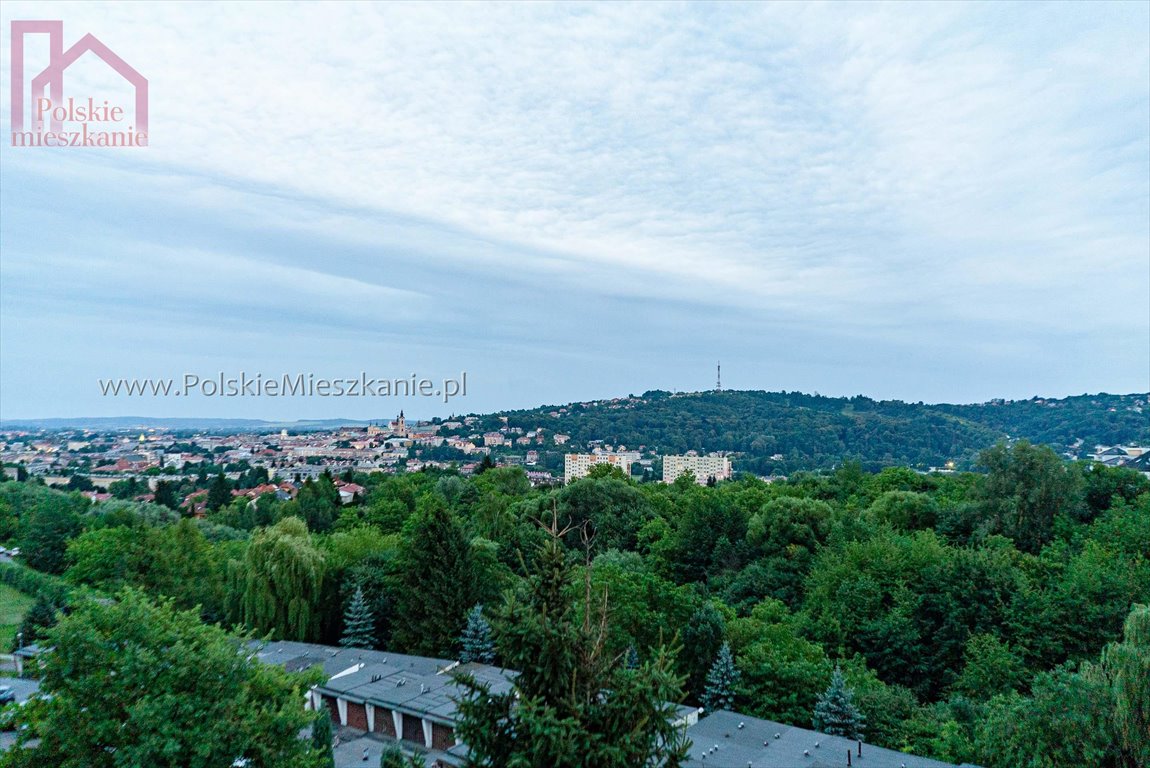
[(48, 119)]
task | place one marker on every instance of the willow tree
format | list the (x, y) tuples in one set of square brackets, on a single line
[(1126, 667), (282, 579)]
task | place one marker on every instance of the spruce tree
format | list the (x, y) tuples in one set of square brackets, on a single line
[(436, 581), (835, 711), (321, 738), (702, 639), (476, 641), (721, 682), (358, 623), (632, 657), (568, 685)]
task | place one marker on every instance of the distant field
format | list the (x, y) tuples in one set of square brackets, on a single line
[(13, 606)]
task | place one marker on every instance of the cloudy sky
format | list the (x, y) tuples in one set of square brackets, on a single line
[(938, 202)]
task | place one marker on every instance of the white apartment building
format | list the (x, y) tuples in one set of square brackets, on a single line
[(702, 467), (576, 465)]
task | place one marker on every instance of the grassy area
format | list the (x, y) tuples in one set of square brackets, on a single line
[(13, 606)]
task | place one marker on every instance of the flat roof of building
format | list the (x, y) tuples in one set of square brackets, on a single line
[(730, 740)]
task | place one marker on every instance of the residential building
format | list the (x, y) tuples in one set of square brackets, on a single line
[(704, 468), (576, 465)]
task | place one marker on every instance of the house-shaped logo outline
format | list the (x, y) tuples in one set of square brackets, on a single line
[(52, 78)]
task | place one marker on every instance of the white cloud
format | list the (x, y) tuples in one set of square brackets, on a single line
[(895, 171)]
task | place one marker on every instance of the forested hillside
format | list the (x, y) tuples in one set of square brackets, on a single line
[(780, 432), (975, 617)]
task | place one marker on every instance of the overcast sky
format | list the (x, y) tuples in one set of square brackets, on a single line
[(938, 202)]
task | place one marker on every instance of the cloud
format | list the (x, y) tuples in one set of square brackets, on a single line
[(562, 183)]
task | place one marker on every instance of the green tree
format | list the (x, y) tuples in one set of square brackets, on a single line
[(702, 638), (45, 532), (835, 712), (1064, 722), (437, 580), (280, 580), (905, 510), (615, 508), (1104, 485), (80, 483), (166, 495), (318, 504), (358, 623), (183, 567), (991, 668), (721, 682), (476, 641), (392, 757), (788, 532), (36, 622), (219, 493), (1026, 489), (139, 683), (321, 737), (1125, 667), (572, 704)]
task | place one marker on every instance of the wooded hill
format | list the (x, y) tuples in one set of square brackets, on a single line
[(779, 432)]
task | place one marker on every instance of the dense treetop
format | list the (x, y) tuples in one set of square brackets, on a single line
[(986, 616)]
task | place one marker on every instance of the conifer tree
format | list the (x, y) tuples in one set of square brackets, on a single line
[(219, 492), (476, 641), (39, 619), (436, 580), (702, 639), (358, 623), (721, 681), (569, 686), (166, 495), (835, 711), (632, 657)]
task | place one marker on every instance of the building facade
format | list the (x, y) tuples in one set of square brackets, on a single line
[(704, 468), (577, 465)]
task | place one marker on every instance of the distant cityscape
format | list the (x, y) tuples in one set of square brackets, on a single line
[(399, 445), (91, 460)]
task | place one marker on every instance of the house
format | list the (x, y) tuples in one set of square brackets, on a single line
[(349, 492)]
